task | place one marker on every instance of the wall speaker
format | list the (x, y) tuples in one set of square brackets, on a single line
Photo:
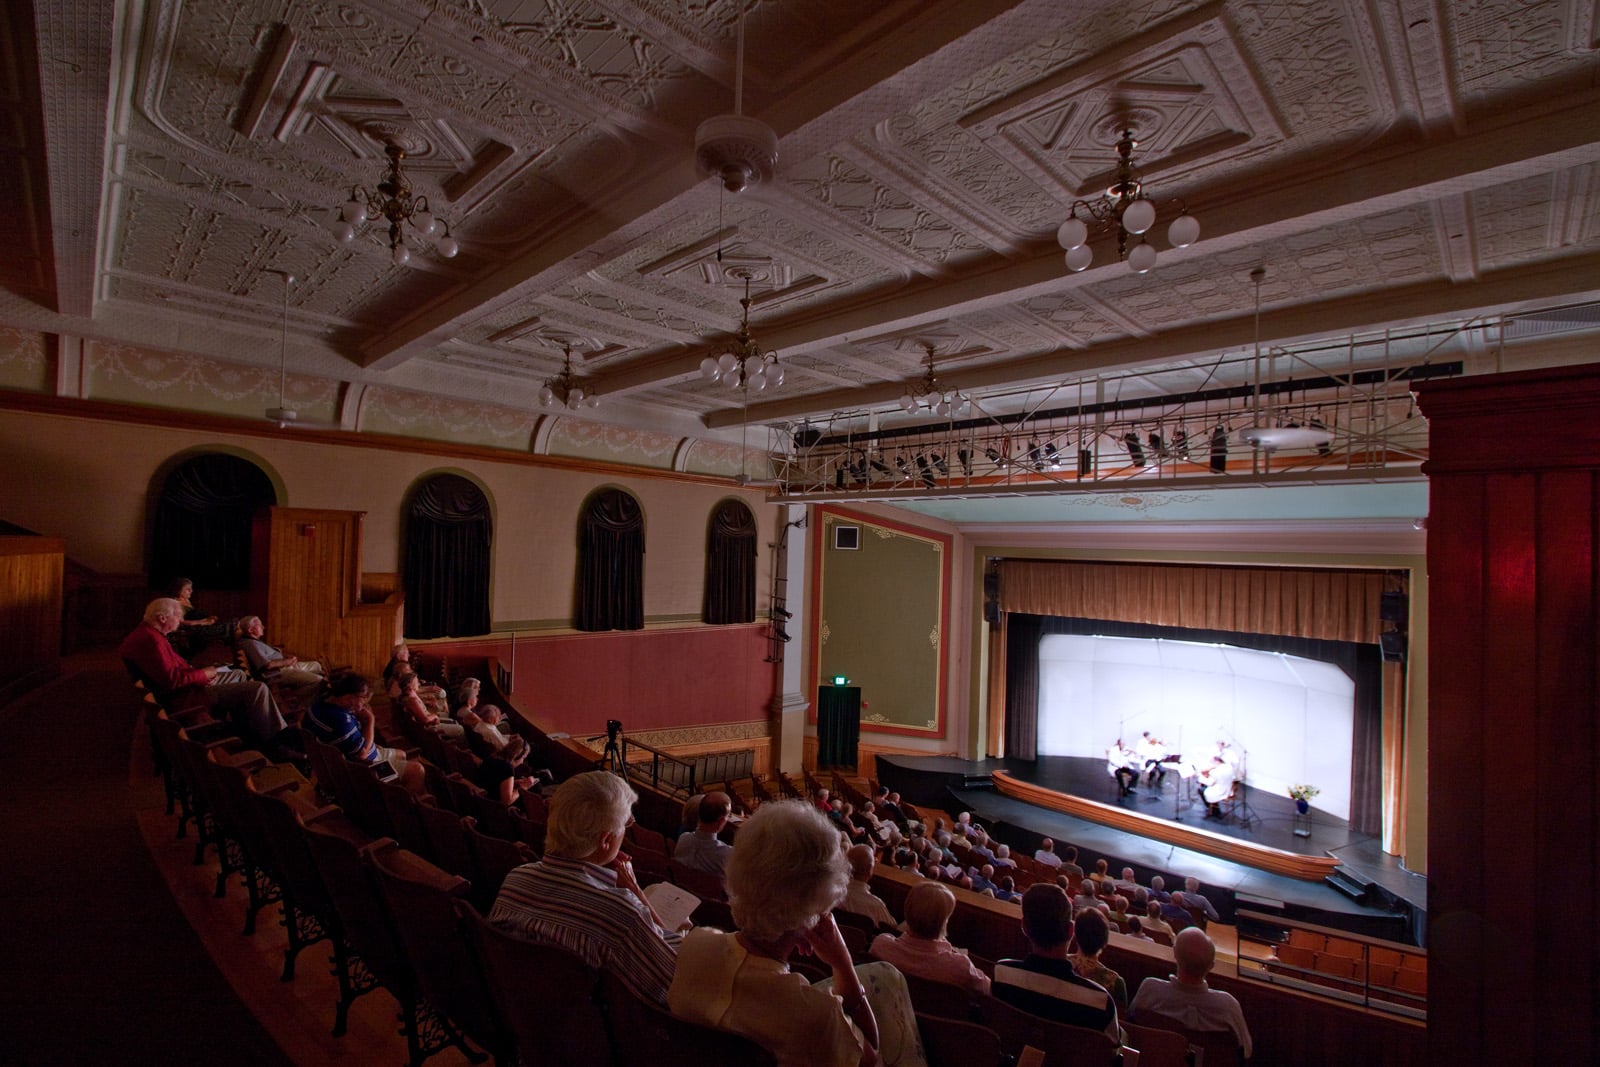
[(847, 538), (1394, 607), (1393, 644), (991, 612), (991, 585)]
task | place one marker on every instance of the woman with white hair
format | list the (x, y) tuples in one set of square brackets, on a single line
[(784, 878)]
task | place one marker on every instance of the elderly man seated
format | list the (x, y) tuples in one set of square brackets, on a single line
[(1186, 998), (583, 897), (227, 693), (299, 679)]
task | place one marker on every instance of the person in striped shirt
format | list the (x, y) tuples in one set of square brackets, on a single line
[(583, 897), (1044, 983)]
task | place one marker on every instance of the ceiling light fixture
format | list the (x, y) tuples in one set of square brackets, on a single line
[(565, 389), (1125, 206), (393, 201), (931, 394), (1267, 433), (732, 364), (741, 151)]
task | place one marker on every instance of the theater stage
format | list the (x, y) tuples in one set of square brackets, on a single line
[(1260, 864)]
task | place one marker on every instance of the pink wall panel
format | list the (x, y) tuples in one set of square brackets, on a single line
[(651, 679)]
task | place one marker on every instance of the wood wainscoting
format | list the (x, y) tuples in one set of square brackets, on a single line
[(31, 569)]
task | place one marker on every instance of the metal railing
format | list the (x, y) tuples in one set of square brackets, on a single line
[(1381, 975)]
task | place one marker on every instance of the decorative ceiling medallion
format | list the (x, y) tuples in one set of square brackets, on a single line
[(539, 336)]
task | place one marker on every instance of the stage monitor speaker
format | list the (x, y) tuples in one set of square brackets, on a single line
[(847, 538), (1393, 643), (1394, 607)]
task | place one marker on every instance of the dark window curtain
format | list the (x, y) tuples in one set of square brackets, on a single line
[(731, 565), (610, 563), (448, 539), (202, 522), (1363, 662)]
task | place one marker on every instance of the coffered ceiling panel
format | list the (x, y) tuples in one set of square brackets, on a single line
[(1387, 164)]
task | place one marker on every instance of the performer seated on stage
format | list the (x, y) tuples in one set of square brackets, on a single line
[(1123, 764), (1152, 751), (1216, 782)]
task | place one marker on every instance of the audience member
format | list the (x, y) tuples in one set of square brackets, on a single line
[(1044, 983), (1191, 897), (1092, 933), (784, 878), (1127, 883), (227, 693), (412, 704), (582, 896), (195, 629), (1087, 899), (702, 849), (1006, 889), (1186, 997), (982, 877), (432, 695), (1069, 863), (502, 779), (858, 896), (1158, 889), (1046, 854), (1136, 929), (342, 717), (924, 950), (1002, 857), (1153, 922), (1117, 909)]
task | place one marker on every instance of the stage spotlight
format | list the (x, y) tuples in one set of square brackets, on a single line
[(1180, 445), (1085, 462), (1035, 457), (838, 476), (965, 458), (939, 464), (1135, 447), (1158, 447), (881, 467), (1052, 455), (926, 471), (1219, 449)]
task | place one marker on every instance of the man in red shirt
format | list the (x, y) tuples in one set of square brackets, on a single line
[(225, 692)]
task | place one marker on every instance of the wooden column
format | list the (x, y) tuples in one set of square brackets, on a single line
[(1513, 801)]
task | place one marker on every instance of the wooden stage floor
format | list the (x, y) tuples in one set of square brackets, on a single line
[(1150, 832)]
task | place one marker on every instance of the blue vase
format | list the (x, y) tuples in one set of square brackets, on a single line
[(1302, 806)]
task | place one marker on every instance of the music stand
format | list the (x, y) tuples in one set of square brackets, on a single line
[(1242, 809)]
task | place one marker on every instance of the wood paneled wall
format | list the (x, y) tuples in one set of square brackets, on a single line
[(306, 565), (1513, 740), (867, 755), (30, 612)]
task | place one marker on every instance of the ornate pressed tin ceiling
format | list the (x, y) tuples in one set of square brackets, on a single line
[(1389, 164)]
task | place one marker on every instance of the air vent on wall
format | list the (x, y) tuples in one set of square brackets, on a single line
[(847, 537)]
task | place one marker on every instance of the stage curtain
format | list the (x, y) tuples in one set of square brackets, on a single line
[(1329, 605), (202, 522), (610, 592), (730, 593), (1022, 683), (1363, 663), (449, 538), (996, 734)]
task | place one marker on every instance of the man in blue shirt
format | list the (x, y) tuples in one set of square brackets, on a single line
[(342, 717)]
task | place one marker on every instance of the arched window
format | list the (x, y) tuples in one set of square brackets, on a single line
[(448, 537), (610, 563), (203, 518), (730, 564)]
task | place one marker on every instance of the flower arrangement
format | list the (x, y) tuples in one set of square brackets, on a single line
[(1303, 792)]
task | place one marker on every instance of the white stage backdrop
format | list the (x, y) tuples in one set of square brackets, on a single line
[(1290, 718)]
